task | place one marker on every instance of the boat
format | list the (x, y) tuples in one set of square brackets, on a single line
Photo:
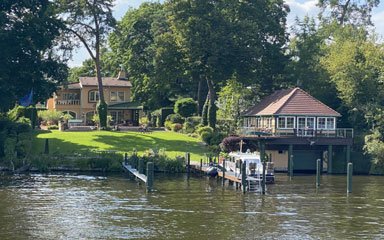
[(212, 171), (254, 166)]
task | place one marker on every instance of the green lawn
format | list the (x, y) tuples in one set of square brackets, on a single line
[(72, 142)]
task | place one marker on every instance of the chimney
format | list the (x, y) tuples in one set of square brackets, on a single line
[(122, 74)]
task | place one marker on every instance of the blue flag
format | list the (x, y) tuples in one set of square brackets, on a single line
[(27, 99)]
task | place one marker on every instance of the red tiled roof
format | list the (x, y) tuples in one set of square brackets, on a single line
[(291, 102), (107, 81), (71, 86)]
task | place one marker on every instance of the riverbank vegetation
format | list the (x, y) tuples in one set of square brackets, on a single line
[(201, 55)]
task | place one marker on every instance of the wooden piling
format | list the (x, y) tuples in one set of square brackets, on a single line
[(126, 158), (46, 146), (150, 176), (264, 180), (141, 165), (223, 171), (330, 159), (244, 176), (349, 177), (290, 161), (318, 172), (188, 160)]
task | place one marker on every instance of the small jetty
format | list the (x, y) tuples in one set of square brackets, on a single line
[(135, 172), (139, 173)]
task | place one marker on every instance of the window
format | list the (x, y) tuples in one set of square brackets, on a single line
[(117, 96), (286, 122), (326, 123), (93, 96), (71, 96)]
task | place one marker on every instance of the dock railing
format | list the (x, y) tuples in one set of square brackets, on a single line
[(301, 132)]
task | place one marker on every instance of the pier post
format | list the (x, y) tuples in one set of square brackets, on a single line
[(46, 146), (223, 171), (201, 166), (349, 177), (264, 181), (150, 176), (188, 160), (290, 161), (141, 165), (330, 158), (348, 154), (125, 158), (244, 176), (318, 170)]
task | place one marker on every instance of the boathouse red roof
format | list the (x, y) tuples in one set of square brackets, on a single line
[(291, 102)]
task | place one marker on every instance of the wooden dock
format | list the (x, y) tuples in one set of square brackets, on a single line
[(134, 172)]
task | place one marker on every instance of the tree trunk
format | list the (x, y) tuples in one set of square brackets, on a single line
[(212, 109), (204, 114), (102, 107)]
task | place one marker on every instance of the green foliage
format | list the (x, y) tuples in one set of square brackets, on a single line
[(188, 127), (53, 127), (168, 124), (102, 110), (144, 120), (176, 127), (29, 30), (202, 129), (50, 117), (175, 118), (186, 107)]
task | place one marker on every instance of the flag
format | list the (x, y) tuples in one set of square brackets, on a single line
[(27, 99)]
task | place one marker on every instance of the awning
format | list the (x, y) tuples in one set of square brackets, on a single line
[(125, 106)]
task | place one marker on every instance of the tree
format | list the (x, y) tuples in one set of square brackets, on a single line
[(88, 22), (221, 37), (186, 107), (144, 45), (28, 30), (357, 13), (234, 99)]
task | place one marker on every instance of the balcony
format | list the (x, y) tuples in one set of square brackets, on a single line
[(318, 133), (68, 102)]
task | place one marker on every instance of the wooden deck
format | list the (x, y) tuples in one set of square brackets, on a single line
[(134, 172)]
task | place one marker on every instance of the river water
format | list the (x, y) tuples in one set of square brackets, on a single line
[(73, 206)]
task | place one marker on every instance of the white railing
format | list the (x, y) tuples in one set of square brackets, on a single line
[(68, 102), (327, 133)]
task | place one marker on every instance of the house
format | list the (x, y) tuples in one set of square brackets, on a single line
[(80, 100), (294, 126)]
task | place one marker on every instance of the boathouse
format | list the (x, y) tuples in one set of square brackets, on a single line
[(294, 126)]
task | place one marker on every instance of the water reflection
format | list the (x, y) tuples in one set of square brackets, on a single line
[(69, 206)]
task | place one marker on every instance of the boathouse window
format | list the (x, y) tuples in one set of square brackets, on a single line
[(325, 123), (286, 122)]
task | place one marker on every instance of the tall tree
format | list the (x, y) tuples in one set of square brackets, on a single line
[(221, 38), (28, 30), (347, 11), (88, 22), (145, 46)]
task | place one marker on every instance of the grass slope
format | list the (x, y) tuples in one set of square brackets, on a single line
[(71, 142)]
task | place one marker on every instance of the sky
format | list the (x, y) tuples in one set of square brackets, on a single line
[(299, 8)]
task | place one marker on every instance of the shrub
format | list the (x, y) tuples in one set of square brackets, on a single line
[(175, 118), (144, 120), (206, 137), (168, 125), (176, 127), (50, 117), (186, 107), (53, 127), (217, 138), (230, 144), (200, 130), (188, 127)]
